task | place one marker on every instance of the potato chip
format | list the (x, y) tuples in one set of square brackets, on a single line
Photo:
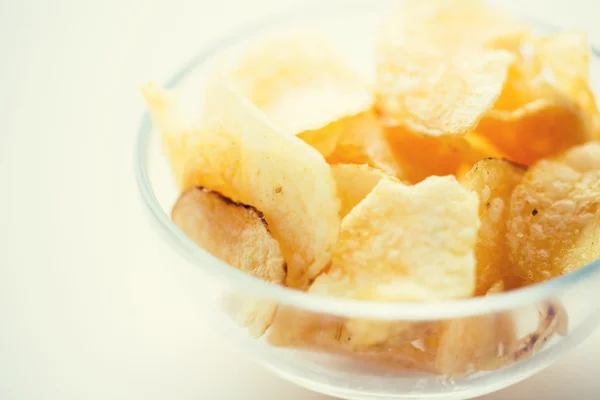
[(554, 210), (422, 156), (280, 175), (474, 149), (436, 71), (363, 141), (194, 151), (325, 140), (563, 59), (493, 181), (481, 148), (547, 105), (465, 344), (302, 85), (436, 96), (354, 182), (406, 243), (448, 26), (238, 235), (235, 233), (291, 184), (405, 155), (540, 129)]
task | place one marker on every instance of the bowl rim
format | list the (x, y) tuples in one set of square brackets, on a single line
[(303, 300)]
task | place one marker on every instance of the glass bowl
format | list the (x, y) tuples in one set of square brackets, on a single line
[(381, 371)]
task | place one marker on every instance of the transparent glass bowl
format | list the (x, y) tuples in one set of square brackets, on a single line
[(232, 296)]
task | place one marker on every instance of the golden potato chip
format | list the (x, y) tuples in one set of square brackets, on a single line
[(474, 149), (437, 96), (493, 181), (405, 155), (481, 148), (280, 175), (547, 105), (289, 182), (406, 243), (464, 345), (325, 139), (437, 72), (539, 129), (302, 85), (194, 151), (448, 26), (238, 235), (553, 211), (189, 148), (363, 141), (563, 59), (235, 233), (354, 182), (422, 156)]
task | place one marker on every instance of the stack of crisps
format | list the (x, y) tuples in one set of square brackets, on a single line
[(469, 168)]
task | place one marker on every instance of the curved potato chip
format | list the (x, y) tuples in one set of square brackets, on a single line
[(235, 233), (481, 148), (191, 149), (364, 141), (301, 84), (238, 235), (547, 105), (406, 243), (240, 155), (566, 57), (289, 182), (450, 26), (477, 148), (354, 182), (555, 209), (325, 140), (539, 129), (422, 156), (436, 96), (493, 181)]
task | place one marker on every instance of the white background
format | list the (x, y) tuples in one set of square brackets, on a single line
[(89, 306)]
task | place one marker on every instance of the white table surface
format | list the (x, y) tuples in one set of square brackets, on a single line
[(89, 306)]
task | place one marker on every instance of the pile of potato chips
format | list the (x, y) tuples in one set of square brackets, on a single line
[(471, 167)]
